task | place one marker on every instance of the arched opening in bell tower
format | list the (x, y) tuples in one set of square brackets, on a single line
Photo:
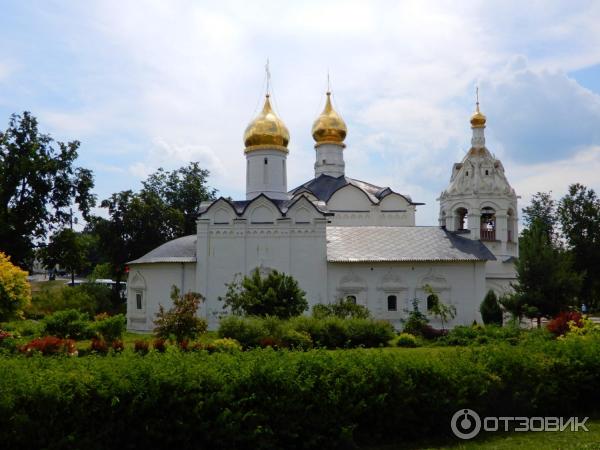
[(488, 224), (461, 219)]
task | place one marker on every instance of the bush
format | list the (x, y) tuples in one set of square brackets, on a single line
[(67, 324), (338, 399), (248, 331), (296, 340), (15, 291), (180, 322), (160, 345), (416, 321), (99, 346), (344, 308), (225, 345), (111, 328), (329, 332), (491, 312), (559, 326), (141, 347), (50, 345), (87, 298), (8, 343), (406, 340), (276, 294)]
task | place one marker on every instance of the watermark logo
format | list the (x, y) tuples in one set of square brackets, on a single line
[(466, 424)]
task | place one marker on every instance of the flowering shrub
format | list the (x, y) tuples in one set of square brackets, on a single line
[(140, 347), (7, 341), (117, 346), (15, 291), (159, 345), (99, 346), (50, 345), (559, 326)]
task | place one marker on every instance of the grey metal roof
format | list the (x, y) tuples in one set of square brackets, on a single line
[(324, 186), (178, 250), (373, 244)]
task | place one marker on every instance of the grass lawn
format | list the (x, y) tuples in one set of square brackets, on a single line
[(507, 441)]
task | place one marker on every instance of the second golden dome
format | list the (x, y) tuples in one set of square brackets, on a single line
[(329, 126)]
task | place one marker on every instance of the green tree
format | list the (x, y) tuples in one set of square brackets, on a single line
[(67, 249), (180, 322), (542, 210), (546, 281), (579, 214), (276, 294), (38, 185), (15, 291), (137, 223), (184, 190), (491, 312)]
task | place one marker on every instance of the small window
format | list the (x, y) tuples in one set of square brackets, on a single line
[(392, 303), (432, 301), (487, 172), (138, 300), (324, 161), (467, 173), (266, 161), (351, 299)]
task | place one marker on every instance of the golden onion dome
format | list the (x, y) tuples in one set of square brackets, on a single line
[(266, 130), (478, 118), (329, 128)]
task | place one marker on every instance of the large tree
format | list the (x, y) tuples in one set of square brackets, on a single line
[(542, 210), (579, 214), (70, 250), (182, 189), (38, 185), (546, 281), (166, 207)]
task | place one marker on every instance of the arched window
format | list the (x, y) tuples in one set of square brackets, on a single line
[(432, 301), (488, 224), (351, 299), (461, 219), (392, 302)]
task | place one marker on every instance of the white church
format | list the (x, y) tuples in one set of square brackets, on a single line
[(341, 237)]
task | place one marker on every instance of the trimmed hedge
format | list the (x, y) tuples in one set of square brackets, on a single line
[(269, 399), (303, 332)]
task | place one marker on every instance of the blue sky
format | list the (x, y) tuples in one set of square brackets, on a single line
[(155, 84)]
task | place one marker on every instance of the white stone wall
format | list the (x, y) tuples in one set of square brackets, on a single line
[(262, 238), (461, 284), (154, 283)]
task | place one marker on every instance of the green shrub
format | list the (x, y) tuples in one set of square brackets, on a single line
[(275, 294), (226, 345), (344, 308), (296, 340), (406, 340), (248, 331), (68, 324), (111, 328), (491, 312), (88, 298), (416, 321), (15, 290), (337, 399), (369, 333)]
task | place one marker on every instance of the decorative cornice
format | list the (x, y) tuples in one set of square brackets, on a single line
[(255, 148)]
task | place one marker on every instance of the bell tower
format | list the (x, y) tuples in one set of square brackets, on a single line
[(480, 204)]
